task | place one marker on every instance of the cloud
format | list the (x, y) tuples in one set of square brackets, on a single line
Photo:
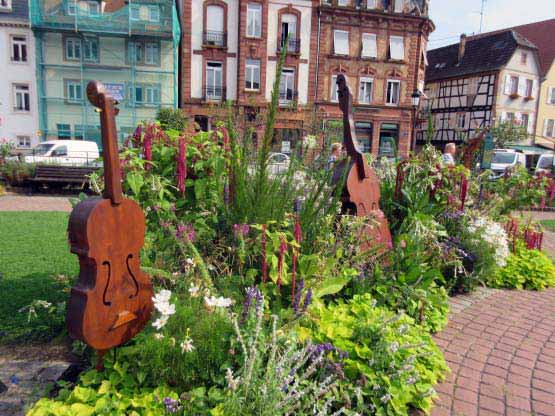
[(453, 18)]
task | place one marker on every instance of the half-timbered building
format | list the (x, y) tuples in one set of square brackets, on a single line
[(477, 82)]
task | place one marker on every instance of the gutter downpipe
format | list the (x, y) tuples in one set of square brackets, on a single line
[(317, 60)]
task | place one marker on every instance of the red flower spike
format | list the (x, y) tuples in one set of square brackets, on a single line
[(464, 190), (147, 145), (264, 262), (298, 237), (181, 165), (281, 258)]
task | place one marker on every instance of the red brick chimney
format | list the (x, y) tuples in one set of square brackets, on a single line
[(462, 47)]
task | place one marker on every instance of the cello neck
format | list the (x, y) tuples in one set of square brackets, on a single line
[(108, 112), (349, 136), (112, 171)]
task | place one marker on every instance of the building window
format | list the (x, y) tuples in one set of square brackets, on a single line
[(551, 95), (254, 20), (369, 45), (79, 132), (252, 76), (5, 4), (334, 96), (393, 92), (21, 97), (343, 3), (549, 128), (461, 120), (341, 42), (287, 86), (135, 12), (396, 48), (19, 49), (23, 142), (64, 131), (136, 52), (92, 8), (389, 137), (513, 86), (529, 88), (289, 33), (90, 49), (73, 49), (154, 13), (365, 90), (152, 53), (523, 58), (524, 120), (146, 94), (371, 4), (214, 34), (214, 79), (71, 8), (510, 117), (399, 4), (74, 91)]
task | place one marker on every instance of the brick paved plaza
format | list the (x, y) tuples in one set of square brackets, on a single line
[(500, 346)]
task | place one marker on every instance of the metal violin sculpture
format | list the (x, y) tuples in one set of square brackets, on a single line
[(362, 188), (112, 300)]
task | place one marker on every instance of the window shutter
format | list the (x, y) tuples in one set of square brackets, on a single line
[(369, 45), (341, 42), (397, 47), (521, 86), (545, 123), (507, 88), (549, 95), (530, 127), (502, 117)]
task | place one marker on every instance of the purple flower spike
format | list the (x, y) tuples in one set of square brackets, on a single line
[(172, 405)]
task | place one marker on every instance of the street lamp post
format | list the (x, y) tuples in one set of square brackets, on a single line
[(415, 103)]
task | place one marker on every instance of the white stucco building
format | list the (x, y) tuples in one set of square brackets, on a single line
[(18, 95)]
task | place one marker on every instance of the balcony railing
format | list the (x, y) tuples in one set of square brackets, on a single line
[(214, 93), (214, 39), (293, 45), (287, 97)]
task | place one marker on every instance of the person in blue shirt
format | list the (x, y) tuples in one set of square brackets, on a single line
[(449, 154)]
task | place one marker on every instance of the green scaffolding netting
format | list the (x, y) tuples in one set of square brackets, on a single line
[(133, 51)]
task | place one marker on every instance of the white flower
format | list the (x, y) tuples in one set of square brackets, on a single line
[(394, 347), (385, 398), (187, 346), (162, 297), (166, 309), (219, 302), (193, 290), (190, 261), (43, 303), (160, 322), (158, 336), (232, 382)]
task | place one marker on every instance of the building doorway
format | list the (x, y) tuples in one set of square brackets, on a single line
[(389, 139), (364, 131)]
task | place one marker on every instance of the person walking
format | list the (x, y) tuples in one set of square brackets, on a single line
[(336, 150), (449, 154)]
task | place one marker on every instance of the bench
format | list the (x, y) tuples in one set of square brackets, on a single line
[(62, 174)]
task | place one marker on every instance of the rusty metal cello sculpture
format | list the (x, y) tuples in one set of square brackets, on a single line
[(112, 300), (362, 189)]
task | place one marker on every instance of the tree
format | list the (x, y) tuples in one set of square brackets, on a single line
[(172, 118)]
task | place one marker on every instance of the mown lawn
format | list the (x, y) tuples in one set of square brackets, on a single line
[(549, 225), (33, 254)]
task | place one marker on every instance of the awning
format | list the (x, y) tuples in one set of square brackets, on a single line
[(529, 150)]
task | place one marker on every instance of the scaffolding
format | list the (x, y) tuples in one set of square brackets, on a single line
[(132, 48)]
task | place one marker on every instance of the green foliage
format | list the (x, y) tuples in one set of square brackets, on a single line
[(114, 392), (392, 364), (525, 269), (34, 264), (15, 173), (172, 119), (508, 132), (164, 361)]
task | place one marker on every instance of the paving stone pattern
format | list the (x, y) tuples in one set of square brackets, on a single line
[(34, 203), (500, 346)]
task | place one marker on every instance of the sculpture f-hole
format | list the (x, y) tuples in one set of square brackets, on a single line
[(104, 301), (129, 257)]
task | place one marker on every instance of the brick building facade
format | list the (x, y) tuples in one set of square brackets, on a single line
[(230, 51)]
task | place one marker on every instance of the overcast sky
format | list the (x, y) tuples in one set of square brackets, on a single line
[(453, 17)]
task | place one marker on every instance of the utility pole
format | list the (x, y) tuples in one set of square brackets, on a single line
[(482, 13)]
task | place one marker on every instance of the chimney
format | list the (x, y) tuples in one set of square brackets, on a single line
[(462, 47)]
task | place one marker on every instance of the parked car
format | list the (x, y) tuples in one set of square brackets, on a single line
[(65, 152), (545, 163), (278, 163), (504, 159)]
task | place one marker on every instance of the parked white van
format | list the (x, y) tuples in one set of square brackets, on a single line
[(504, 159), (65, 152), (545, 163)]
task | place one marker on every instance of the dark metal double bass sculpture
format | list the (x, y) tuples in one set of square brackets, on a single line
[(362, 189), (112, 300)]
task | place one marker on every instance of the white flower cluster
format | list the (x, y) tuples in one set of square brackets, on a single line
[(162, 304), (493, 234), (217, 302)]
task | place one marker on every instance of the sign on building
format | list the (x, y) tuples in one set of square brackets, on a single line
[(116, 91)]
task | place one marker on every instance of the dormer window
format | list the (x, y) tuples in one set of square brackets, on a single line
[(83, 8), (5, 4)]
